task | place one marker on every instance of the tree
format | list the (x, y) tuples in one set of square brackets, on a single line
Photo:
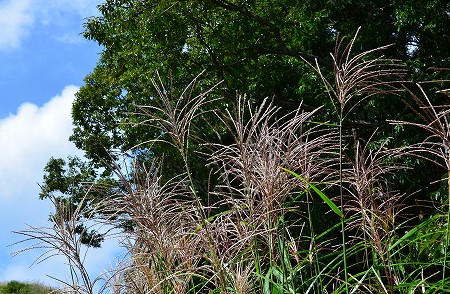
[(15, 287), (257, 48), (167, 82)]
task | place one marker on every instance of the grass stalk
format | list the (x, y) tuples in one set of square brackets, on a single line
[(341, 195), (177, 246), (447, 227)]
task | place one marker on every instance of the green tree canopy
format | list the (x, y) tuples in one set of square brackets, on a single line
[(257, 48)]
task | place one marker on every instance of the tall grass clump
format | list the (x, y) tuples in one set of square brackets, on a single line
[(64, 238), (357, 78), (293, 203), (435, 148)]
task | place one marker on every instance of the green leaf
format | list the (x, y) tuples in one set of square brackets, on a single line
[(327, 200)]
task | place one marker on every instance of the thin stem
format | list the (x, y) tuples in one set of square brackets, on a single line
[(201, 212), (341, 192), (313, 243), (448, 220)]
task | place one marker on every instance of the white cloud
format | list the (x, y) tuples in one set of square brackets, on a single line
[(15, 21), (30, 137), (27, 140)]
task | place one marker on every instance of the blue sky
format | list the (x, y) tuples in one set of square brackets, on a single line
[(43, 61)]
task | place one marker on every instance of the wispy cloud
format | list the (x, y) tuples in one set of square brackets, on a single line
[(19, 17), (62, 13), (83, 8), (16, 19), (70, 38)]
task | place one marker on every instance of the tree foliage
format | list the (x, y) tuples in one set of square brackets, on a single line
[(257, 48), (15, 287), (240, 132)]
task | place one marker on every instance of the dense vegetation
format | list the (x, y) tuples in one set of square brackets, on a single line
[(236, 155), (15, 287)]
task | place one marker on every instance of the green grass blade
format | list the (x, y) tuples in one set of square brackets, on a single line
[(410, 233), (327, 200)]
